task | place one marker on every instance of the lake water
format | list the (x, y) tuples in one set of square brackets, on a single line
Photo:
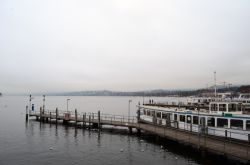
[(24, 143)]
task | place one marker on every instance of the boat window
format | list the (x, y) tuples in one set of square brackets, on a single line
[(202, 121), (165, 115), (158, 114), (175, 117), (214, 107), (144, 112), (188, 118), (248, 125), (210, 121), (182, 118), (239, 107), (222, 122), (232, 107), (223, 107), (148, 113), (195, 120), (236, 124), (152, 113)]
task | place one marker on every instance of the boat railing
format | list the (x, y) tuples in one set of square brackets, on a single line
[(227, 133)]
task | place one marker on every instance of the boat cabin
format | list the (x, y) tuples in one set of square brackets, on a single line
[(225, 107)]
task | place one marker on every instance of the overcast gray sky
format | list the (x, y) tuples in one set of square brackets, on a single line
[(124, 45)]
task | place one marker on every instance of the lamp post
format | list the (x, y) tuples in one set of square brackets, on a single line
[(31, 98), (129, 109), (68, 105)]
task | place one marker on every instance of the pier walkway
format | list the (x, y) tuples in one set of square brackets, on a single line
[(228, 147)]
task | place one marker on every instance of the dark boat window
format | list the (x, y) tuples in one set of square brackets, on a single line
[(148, 113), (222, 122), (232, 108), (152, 113), (158, 114), (175, 117), (214, 107), (144, 112), (248, 125), (236, 124), (223, 107), (182, 118), (195, 120), (210, 121), (164, 115), (188, 118)]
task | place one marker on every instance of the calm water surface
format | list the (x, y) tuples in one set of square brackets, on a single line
[(24, 143)]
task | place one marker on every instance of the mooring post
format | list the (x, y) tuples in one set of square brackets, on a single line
[(99, 120), (40, 114), (89, 119), (56, 114), (84, 119), (130, 129), (27, 113), (50, 117), (76, 115)]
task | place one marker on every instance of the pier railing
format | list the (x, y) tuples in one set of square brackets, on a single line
[(86, 116)]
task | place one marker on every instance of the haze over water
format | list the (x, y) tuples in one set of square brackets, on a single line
[(49, 46)]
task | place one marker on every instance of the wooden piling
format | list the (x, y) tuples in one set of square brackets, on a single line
[(99, 120), (50, 116), (27, 113), (83, 119), (56, 115), (89, 120), (130, 129), (40, 114), (76, 116)]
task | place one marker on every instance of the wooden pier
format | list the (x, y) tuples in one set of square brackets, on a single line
[(227, 147)]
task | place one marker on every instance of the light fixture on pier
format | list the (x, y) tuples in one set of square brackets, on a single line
[(129, 109)]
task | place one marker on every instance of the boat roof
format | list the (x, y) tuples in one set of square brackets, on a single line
[(192, 112)]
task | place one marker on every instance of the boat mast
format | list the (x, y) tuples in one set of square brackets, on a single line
[(215, 90)]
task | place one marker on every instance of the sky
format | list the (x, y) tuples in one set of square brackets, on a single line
[(122, 45)]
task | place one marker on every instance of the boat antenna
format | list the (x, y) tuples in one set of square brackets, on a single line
[(215, 90)]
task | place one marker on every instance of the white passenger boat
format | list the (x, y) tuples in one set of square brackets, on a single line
[(225, 119)]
